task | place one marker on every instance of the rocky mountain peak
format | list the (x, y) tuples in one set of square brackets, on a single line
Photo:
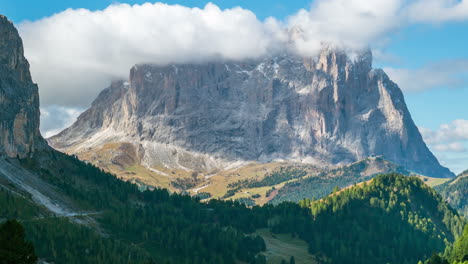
[(332, 109), (19, 97), (338, 63), (111, 94), (11, 50)]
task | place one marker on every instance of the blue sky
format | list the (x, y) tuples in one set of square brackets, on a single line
[(19, 10), (431, 54), (420, 45)]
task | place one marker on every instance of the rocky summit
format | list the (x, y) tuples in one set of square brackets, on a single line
[(19, 97), (332, 109)]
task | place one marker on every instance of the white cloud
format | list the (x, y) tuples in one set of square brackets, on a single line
[(443, 74), (449, 143), (76, 53), (455, 131), (352, 24), (357, 23), (55, 118), (457, 147), (438, 11)]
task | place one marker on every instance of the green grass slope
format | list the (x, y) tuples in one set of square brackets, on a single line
[(283, 246)]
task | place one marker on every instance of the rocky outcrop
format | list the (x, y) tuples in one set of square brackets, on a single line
[(328, 110), (19, 97)]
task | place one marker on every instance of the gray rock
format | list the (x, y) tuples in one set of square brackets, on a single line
[(327, 110), (19, 97)]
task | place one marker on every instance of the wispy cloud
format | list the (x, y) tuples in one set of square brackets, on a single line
[(437, 11), (442, 74), (456, 147), (449, 143), (455, 131)]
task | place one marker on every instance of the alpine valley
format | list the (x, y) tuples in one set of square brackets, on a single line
[(276, 160)]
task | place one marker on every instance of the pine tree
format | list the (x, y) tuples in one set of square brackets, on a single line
[(292, 260), (14, 249)]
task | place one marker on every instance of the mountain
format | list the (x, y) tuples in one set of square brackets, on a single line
[(209, 117), (19, 97), (74, 212), (455, 192)]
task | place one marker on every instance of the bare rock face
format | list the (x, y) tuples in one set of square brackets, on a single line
[(19, 97), (328, 110)]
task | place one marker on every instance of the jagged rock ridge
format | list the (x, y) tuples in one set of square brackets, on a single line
[(326, 110), (19, 97)]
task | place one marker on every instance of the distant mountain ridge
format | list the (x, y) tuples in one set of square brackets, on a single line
[(327, 110), (322, 185)]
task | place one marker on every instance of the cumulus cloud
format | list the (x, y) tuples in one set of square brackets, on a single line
[(76, 53), (455, 131), (358, 23), (449, 143), (351, 24), (447, 73)]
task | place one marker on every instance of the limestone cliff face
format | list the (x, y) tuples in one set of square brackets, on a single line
[(19, 97), (325, 110)]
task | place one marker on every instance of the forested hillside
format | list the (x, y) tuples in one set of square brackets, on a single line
[(321, 185), (140, 227), (456, 254), (455, 192), (459, 252), (393, 219), (14, 248)]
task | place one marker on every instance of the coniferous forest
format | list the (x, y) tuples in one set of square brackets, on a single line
[(455, 192), (391, 219)]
